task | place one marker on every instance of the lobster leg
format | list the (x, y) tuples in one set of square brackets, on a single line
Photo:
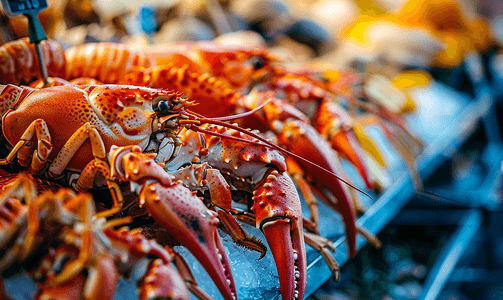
[(24, 219), (86, 131), (333, 122), (73, 268), (13, 213), (178, 210), (161, 280), (187, 276), (70, 290), (25, 148), (295, 170), (323, 245), (202, 175), (17, 214), (102, 279), (278, 214), (304, 141), (98, 166)]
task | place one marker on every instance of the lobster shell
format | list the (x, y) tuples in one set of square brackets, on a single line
[(108, 62), (19, 62)]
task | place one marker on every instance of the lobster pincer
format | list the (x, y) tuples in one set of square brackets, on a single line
[(177, 209), (278, 214), (252, 167)]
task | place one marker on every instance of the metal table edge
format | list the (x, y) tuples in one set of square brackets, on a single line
[(450, 255)]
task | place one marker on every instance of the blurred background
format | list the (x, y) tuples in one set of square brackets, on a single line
[(309, 29), (446, 243)]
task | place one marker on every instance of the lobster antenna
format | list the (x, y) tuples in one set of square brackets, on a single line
[(265, 143), (233, 117)]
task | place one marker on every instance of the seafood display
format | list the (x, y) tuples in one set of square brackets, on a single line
[(170, 147), (131, 150)]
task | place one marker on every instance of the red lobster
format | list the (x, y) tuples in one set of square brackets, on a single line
[(71, 243), (98, 117), (254, 64), (237, 66), (291, 127)]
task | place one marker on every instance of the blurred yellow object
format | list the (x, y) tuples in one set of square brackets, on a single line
[(368, 145), (482, 32), (381, 90), (455, 48), (412, 78), (358, 31), (371, 7), (380, 177), (444, 19), (408, 81)]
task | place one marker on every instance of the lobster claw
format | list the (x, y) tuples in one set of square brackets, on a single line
[(278, 214), (177, 209), (303, 140), (334, 123), (345, 142), (188, 220)]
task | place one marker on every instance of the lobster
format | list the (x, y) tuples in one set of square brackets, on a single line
[(344, 132), (259, 65), (206, 89), (237, 66), (133, 123), (72, 242), (19, 62), (215, 98), (156, 120), (106, 62), (280, 116)]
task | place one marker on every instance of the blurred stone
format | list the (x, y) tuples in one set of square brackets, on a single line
[(249, 38), (290, 52), (254, 11), (107, 9), (335, 15), (184, 29), (238, 24), (312, 34), (269, 18), (79, 12)]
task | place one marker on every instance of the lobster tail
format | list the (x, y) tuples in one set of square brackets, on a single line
[(19, 62)]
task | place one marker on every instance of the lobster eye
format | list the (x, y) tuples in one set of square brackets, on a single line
[(163, 107), (257, 62)]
